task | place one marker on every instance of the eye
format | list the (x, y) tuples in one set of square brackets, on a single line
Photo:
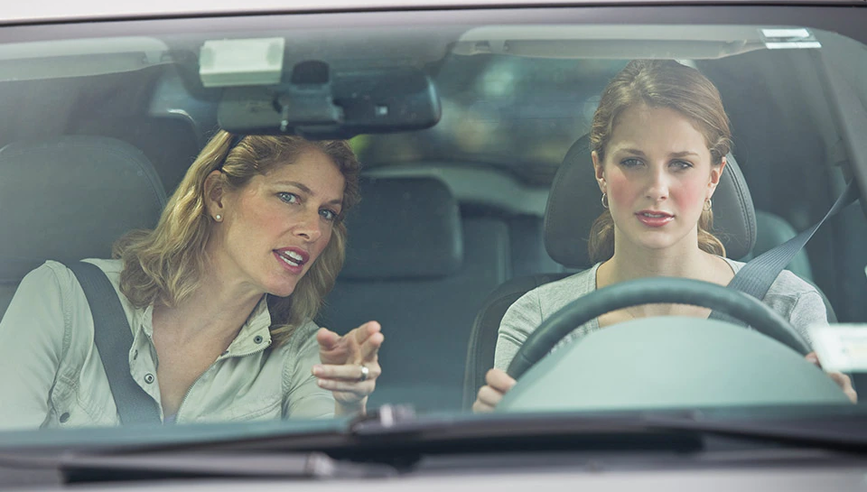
[(681, 165), (328, 215), (630, 163), (288, 197)]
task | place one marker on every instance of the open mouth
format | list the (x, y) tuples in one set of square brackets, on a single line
[(654, 219), (292, 258), (655, 215)]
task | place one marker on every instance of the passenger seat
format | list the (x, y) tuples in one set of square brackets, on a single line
[(70, 198)]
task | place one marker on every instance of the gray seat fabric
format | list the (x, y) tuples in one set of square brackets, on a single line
[(426, 306), (70, 198), (573, 205), (395, 219), (528, 253)]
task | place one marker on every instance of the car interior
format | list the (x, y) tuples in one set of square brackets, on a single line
[(456, 221)]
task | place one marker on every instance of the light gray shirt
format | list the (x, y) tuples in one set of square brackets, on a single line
[(793, 298), (52, 374)]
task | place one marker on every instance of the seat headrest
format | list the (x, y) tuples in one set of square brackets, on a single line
[(70, 198), (403, 228), (574, 203)]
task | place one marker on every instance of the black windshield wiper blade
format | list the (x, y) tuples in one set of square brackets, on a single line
[(828, 427), (93, 467), (396, 435)]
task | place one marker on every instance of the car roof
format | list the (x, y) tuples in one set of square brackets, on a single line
[(38, 11)]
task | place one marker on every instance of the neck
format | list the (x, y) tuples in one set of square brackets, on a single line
[(685, 260), (217, 309), (624, 266), (632, 261)]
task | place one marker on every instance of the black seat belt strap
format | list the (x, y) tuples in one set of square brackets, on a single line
[(756, 277), (113, 338)]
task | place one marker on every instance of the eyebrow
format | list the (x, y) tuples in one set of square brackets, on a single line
[(682, 153), (306, 189)]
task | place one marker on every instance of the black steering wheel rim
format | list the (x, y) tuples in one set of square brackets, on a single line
[(755, 313)]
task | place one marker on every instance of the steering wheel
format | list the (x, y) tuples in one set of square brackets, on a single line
[(648, 291)]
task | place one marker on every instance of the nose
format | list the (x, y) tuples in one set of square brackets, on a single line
[(657, 186), (309, 226)]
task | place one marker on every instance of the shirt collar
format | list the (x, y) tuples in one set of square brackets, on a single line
[(254, 336)]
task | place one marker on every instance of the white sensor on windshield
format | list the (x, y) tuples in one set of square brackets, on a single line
[(238, 62)]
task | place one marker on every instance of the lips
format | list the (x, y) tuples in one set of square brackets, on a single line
[(293, 259), (654, 218)]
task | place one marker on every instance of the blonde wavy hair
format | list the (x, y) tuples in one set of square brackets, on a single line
[(669, 84), (165, 265)]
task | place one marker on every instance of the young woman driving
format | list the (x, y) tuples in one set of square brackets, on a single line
[(659, 139)]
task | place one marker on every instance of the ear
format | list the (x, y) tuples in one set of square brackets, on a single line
[(600, 172), (215, 193), (715, 175)]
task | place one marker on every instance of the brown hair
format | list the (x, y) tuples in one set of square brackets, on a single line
[(669, 84), (165, 265)]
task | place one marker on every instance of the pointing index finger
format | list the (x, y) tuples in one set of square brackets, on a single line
[(370, 347), (365, 331)]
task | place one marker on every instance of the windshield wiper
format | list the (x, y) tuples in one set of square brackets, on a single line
[(93, 467), (393, 440), (828, 427)]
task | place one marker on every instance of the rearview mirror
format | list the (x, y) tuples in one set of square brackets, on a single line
[(320, 105)]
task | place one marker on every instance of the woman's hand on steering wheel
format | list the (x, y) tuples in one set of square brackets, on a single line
[(842, 380), (498, 383)]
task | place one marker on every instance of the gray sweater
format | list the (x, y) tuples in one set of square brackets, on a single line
[(794, 299)]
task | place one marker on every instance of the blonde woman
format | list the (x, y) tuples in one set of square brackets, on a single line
[(659, 139), (220, 298)]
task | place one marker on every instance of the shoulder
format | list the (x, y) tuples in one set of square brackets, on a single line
[(798, 300), (787, 284), (52, 277), (299, 347), (298, 354), (300, 337), (528, 312), (50, 284), (61, 271), (795, 299), (111, 268), (554, 295)]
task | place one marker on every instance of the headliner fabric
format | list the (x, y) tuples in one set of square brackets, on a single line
[(575, 202), (403, 228), (70, 198)]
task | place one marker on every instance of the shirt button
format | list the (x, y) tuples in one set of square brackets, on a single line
[(257, 339), (64, 417), (149, 378)]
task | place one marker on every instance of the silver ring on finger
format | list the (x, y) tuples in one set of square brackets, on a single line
[(365, 373)]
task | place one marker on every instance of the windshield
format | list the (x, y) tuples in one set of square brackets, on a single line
[(301, 218)]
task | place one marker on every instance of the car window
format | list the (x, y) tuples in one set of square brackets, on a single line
[(448, 181)]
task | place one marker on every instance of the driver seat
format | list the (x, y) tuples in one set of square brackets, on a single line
[(573, 205)]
